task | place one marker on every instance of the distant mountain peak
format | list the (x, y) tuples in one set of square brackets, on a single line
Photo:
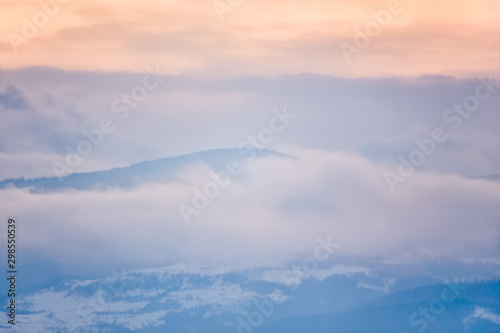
[(161, 170)]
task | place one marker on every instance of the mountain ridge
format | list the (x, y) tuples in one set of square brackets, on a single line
[(160, 170)]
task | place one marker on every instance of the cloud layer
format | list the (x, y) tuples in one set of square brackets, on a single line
[(46, 112), (277, 210), (345, 135)]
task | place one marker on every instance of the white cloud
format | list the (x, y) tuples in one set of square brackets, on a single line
[(275, 212)]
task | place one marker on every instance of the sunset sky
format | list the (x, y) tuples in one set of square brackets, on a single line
[(258, 37)]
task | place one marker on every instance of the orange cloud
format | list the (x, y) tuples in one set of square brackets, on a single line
[(459, 37)]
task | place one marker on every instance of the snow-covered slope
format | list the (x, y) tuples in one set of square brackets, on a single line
[(253, 296)]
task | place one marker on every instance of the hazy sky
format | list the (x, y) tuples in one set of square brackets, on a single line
[(259, 37)]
